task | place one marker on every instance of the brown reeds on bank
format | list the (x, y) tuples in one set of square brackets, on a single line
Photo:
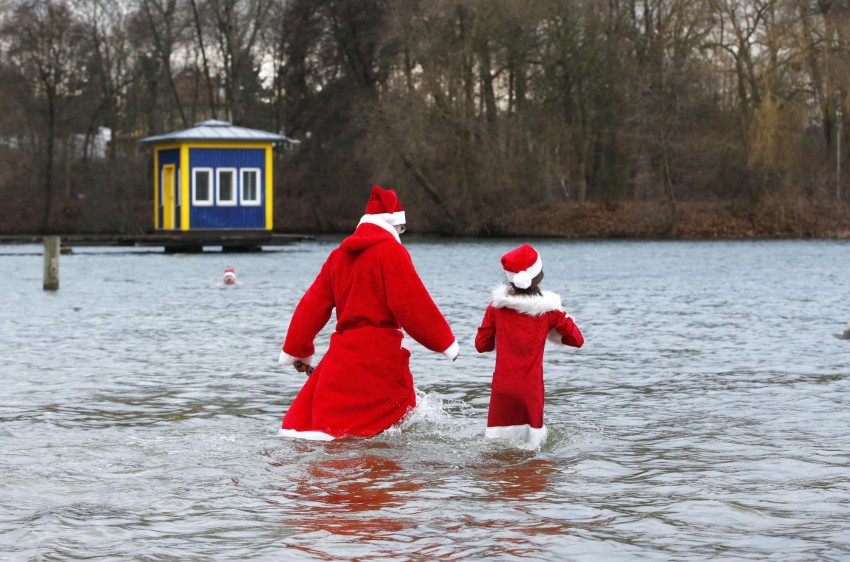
[(729, 220), (693, 220)]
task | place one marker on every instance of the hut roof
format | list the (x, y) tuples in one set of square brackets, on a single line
[(212, 131)]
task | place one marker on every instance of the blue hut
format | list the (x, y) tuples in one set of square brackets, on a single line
[(213, 176)]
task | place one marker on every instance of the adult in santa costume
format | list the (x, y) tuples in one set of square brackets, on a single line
[(517, 323), (363, 384)]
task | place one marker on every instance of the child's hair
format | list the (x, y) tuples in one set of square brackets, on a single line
[(532, 290)]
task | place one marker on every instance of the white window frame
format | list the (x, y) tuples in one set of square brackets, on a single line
[(234, 185), (257, 174), (202, 202)]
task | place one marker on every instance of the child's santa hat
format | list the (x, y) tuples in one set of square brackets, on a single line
[(230, 273), (522, 266), (384, 204)]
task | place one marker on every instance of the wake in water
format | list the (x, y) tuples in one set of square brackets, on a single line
[(435, 419), (440, 422)]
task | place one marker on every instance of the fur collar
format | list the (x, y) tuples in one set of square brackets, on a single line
[(533, 305)]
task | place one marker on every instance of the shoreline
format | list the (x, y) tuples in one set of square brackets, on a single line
[(722, 220)]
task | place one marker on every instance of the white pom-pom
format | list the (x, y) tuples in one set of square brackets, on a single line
[(522, 280)]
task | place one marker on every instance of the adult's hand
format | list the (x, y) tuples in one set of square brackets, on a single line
[(301, 367)]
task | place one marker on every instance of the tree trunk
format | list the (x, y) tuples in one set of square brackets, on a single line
[(667, 180), (488, 93), (48, 168), (210, 89)]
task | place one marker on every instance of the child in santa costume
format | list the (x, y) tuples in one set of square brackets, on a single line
[(517, 324), (363, 384)]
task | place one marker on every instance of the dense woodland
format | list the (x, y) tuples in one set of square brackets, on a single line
[(490, 117)]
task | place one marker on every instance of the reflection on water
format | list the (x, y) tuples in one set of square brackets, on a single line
[(508, 481), (706, 417), (348, 496), (361, 498)]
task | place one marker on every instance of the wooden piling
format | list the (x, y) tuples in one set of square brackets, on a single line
[(51, 263)]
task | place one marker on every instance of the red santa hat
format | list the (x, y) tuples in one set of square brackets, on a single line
[(522, 266), (230, 272), (384, 204)]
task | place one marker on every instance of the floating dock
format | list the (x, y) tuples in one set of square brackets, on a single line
[(173, 242)]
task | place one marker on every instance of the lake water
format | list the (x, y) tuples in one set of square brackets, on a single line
[(707, 416)]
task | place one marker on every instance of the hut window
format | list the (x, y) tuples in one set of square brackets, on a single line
[(250, 186), (202, 186), (226, 186)]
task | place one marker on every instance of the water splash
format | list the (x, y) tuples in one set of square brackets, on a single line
[(433, 417)]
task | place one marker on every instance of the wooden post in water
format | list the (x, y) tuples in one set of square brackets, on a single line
[(51, 263)]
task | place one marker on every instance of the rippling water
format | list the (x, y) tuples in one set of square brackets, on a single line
[(705, 418)]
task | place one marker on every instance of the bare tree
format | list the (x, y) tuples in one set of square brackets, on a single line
[(235, 28), (48, 50), (110, 66), (166, 29)]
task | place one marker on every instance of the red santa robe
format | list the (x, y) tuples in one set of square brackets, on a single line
[(517, 327), (363, 384)]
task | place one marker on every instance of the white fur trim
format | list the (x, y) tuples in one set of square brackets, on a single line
[(311, 435), (533, 305), (452, 351), (553, 336), (395, 218), (286, 359), (522, 279), (524, 435), (380, 220)]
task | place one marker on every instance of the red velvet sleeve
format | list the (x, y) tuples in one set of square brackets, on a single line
[(566, 329), (485, 339), (410, 303), (310, 316)]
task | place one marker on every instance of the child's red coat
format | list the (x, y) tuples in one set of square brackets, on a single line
[(517, 327)]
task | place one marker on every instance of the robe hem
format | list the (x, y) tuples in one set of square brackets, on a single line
[(527, 435), (310, 435)]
